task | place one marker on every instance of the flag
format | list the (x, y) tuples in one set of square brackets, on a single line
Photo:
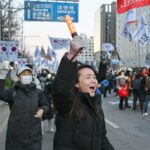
[(4, 50), (131, 16), (141, 34), (126, 32), (9, 50), (55, 65), (125, 5), (44, 62), (53, 54), (43, 54), (13, 51), (59, 43), (130, 19), (37, 52), (49, 53)]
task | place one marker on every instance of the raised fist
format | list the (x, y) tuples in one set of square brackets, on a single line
[(76, 45)]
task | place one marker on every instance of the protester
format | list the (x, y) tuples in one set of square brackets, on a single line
[(122, 84), (80, 121), (145, 90), (27, 106), (136, 84), (46, 87), (3, 73)]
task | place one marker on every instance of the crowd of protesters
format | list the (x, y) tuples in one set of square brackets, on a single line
[(133, 84), (69, 96), (70, 101)]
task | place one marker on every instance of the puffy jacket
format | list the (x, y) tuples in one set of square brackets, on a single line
[(89, 133), (24, 130)]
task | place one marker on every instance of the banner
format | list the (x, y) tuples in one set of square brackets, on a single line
[(59, 43), (108, 47), (130, 19), (53, 54), (4, 48), (37, 52), (126, 32), (131, 16), (141, 34), (125, 5), (9, 50), (49, 54)]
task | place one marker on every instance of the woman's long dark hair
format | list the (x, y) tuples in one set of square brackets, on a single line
[(77, 110)]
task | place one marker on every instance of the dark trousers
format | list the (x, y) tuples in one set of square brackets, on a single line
[(123, 101), (135, 99), (2, 82)]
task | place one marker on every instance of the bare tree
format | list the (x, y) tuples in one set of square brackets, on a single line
[(9, 23)]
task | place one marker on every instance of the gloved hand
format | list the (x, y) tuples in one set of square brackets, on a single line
[(76, 45), (49, 76), (104, 57)]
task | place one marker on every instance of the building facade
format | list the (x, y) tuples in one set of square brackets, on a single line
[(132, 54), (105, 26), (87, 55)]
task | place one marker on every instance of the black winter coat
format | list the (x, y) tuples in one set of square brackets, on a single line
[(88, 134), (24, 130)]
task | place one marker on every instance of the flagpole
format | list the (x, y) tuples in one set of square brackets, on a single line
[(139, 46), (147, 25)]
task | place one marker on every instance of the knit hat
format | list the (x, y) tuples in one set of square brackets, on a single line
[(23, 68)]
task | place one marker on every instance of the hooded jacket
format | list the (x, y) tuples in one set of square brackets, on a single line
[(24, 130)]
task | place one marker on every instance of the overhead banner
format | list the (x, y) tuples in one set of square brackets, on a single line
[(50, 11)]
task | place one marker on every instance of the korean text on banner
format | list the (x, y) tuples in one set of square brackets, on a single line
[(125, 5)]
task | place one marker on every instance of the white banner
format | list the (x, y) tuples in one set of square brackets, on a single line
[(141, 34), (130, 19), (108, 47), (131, 16), (59, 43), (37, 52), (9, 50)]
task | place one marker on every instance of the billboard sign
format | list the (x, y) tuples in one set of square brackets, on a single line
[(50, 11)]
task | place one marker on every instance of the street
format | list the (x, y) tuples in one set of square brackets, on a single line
[(127, 130)]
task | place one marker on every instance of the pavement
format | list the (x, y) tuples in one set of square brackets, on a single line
[(126, 130)]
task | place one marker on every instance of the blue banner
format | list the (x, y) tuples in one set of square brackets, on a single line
[(50, 11)]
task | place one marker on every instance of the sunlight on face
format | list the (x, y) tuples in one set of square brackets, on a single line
[(87, 81)]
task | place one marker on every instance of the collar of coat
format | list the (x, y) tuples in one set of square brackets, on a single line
[(87, 99), (25, 88)]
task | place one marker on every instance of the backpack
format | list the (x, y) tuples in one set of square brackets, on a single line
[(149, 83), (136, 84), (121, 81)]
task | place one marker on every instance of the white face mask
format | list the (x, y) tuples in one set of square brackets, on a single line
[(26, 79)]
